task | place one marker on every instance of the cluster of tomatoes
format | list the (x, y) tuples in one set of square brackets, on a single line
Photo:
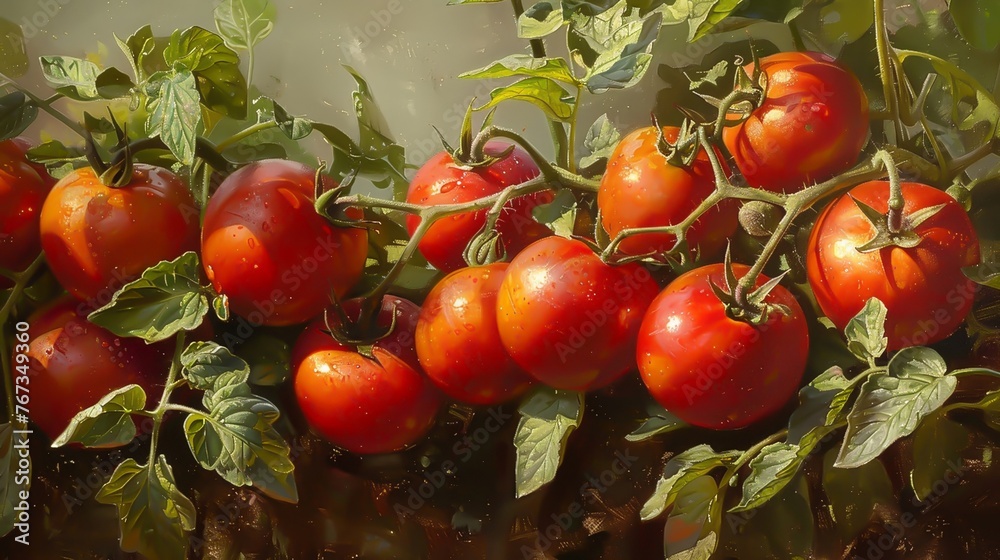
[(371, 376)]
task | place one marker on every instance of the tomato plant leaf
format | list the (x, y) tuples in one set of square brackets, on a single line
[(548, 417), (220, 82), (770, 471), (539, 20), (73, 77), (112, 83), (866, 331), (525, 65), (891, 405), (12, 480), (245, 23), (176, 115), (820, 404), (166, 299), (107, 423), (660, 424), (13, 54), (937, 450), (295, 128), (559, 215), (269, 359), (17, 113), (711, 76), (688, 534), (153, 513), (140, 48), (203, 362), (58, 159), (543, 93), (978, 21), (237, 440), (621, 41), (679, 471), (854, 493), (705, 14), (601, 139)]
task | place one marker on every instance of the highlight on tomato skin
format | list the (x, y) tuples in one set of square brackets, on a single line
[(98, 238), (812, 124), (264, 246), (713, 371), (366, 405), (442, 180), (641, 188), (569, 319), (926, 293), (458, 340)]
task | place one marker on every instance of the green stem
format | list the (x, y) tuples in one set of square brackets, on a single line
[(46, 105), (727, 104), (206, 187), (164, 405), (551, 172), (182, 408), (896, 201), (573, 124), (885, 67), (245, 133), (250, 65), (21, 280), (746, 457), (968, 372)]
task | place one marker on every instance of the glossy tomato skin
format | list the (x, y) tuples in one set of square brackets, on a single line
[(22, 193), (458, 342), (923, 288), (265, 247), (642, 189), (569, 319), (98, 238), (812, 124), (713, 371), (361, 404), (441, 181), (17, 148), (72, 363)]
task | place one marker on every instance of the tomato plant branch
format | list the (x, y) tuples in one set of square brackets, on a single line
[(730, 476), (551, 172), (726, 105), (244, 134), (46, 105), (204, 149), (164, 404), (885, 67), (20, 280), (182, 408), (896, 202)]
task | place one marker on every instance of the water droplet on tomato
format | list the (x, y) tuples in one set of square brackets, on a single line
[(251, 243), (210, 272)]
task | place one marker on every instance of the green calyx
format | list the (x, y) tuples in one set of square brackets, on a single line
[(751, 306), (891, 231)]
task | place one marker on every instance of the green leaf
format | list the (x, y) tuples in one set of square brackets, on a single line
[(245, 23), (58, 159), (204, 362), (680, 470), (601, 140), (937, 450), (770, 471), (622, 41), (17, 113), (216, 68), (866, 331), (269, 359), (13, 54), (12, 482), (712, 76), (972, 104), (107, 423), (73, 77), (548, 417), (139, 48), (539, 20), (544, 93), (820, 404), (238, 441), (891, 405), (706, 14), (978, 21), (166, 299), (854, 493), (295, 128), (688, 533), (176, 115), (153, 514), (113, 84), (525, 65), (559, 215), (655, 426)]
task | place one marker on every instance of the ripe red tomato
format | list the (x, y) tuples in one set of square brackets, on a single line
[(713, 371), (458, 341), (442, 181), (17, 148), (569, 319), (22, 192), (365, 405), (812, 124), (923, 288), (98, 238), (264, 245), (72, 363), (642, 189)]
